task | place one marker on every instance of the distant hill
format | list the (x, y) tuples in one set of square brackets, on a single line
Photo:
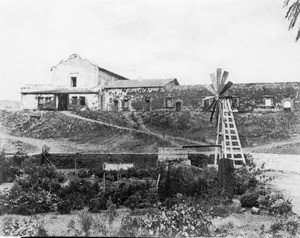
[(10, 105)]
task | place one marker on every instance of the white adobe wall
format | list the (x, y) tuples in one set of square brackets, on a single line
[(29, 101), (85, 71)]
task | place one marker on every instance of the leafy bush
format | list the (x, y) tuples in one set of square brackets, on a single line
[(26, 227), (275, 203), (98, 203), (181, 220), (244, 179), (142, 200), (34, 191), (28, 202), (187, 182), (88, 226), (64, 206), (250, 199), (11, 167), (290, 225), (80, 192)]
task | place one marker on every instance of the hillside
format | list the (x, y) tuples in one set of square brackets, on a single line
[(54, 125), (254, 129)]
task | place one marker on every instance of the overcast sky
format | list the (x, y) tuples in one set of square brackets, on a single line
[(147, 39)]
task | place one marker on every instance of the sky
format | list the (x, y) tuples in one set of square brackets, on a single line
[(147, 39)]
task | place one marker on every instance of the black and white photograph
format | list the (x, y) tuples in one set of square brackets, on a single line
[(150, 118)]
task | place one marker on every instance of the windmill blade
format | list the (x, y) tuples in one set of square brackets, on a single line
[(219, 74), (226, 87), (207, 109), (223, 80), (214, 82), (217, 112), (210, 88), (213, 111)]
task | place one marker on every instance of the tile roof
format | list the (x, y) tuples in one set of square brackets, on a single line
[(112, 74), (153, 83), (62, 90)]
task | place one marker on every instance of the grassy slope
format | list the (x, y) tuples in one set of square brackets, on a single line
[(55, 125), (254, 129)]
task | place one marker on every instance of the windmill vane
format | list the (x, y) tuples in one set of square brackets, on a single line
[(227, 136)]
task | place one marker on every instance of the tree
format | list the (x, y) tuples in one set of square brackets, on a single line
[(292, 14)]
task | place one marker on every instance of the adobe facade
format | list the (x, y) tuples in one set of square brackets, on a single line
[(79, 84)]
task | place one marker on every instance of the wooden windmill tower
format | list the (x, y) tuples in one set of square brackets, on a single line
[(227, 135)]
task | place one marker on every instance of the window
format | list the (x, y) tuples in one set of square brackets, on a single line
[(169, 102), (74, 101), (41, 101), (48, 100), (82, 101), (73, 82), (125, 104)]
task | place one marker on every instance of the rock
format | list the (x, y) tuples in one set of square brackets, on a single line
[(243, 210), (255, 210)]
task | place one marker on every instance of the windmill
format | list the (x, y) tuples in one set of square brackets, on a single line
[(227, 135)]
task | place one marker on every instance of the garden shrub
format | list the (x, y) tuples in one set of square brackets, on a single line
[(88, 226), (244, 179), (142, 200), (25, 227), (289, 224), (10, 167), (180, 220), (80, 192), (187, 182), (28, 202), (250, 199), (98, 203), (275, 203)]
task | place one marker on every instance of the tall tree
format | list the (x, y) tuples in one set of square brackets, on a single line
[(292, 14)]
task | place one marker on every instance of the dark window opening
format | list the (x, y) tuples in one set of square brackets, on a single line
[(41, 101), (116, 105), (74, 100), (169, 102), (125, 104), (73, 82), (82, 101), (48, 99), (178, 106)]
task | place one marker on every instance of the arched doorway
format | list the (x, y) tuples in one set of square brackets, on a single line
[(287, 106), (116, 105), (178, 106)]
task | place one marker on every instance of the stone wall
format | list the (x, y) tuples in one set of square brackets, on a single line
[(94, 161), (140, 99)]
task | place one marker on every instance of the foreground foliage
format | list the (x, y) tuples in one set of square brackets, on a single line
[(184, 219)]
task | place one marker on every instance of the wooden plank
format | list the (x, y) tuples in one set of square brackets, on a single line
[(172, 153)]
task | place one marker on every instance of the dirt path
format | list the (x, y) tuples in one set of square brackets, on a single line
[(268, 147), (286, 171), (56, 146), (171, 139), (289, 184)]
